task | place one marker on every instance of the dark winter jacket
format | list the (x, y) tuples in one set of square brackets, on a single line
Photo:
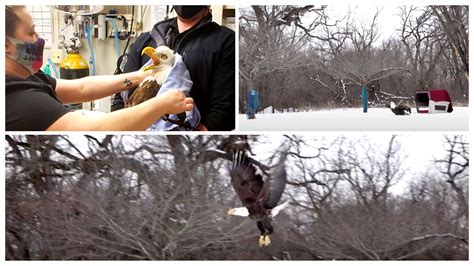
[(208, 52)]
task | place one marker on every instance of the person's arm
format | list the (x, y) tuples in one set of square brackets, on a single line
[(96, 87), (138, 117), (133, 63)]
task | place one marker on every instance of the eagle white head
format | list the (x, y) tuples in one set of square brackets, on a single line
[(162, 60), (166, 56), (392, 105)]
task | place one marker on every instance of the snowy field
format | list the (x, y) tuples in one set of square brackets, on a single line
[(355, 119)]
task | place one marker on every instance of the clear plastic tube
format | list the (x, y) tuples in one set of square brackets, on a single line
[(116, 34), (91, 49), (51, 64)]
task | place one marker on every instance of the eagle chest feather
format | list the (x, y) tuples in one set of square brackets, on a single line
[(257, 211)]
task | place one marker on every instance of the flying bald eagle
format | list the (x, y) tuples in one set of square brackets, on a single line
[(162, 60), (259, 197)]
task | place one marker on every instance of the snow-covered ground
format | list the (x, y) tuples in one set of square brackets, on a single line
[(354, 119)]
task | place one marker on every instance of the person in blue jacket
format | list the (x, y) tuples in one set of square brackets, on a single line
[(365, 99), (253, 103)]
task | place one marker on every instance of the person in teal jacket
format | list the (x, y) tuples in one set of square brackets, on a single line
[(253, 103), (365, 99)]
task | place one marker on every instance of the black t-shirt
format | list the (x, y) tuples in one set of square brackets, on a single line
[(31, 104)]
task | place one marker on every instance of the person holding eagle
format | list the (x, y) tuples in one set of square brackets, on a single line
[(34, 101), (208, 52)]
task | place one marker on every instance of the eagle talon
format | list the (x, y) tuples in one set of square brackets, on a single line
[(264, 240), (267, 241)]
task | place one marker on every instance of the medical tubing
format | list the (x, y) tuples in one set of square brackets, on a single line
[(91, 49), (116, 34), (53, 67)]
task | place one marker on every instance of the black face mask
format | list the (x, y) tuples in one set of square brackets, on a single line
[(187, 12)]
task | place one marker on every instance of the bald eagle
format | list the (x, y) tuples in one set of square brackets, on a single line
[(259, 197), (400, 109), (162, 60)]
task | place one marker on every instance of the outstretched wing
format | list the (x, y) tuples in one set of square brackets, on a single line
[(246, 182), (275, 185)]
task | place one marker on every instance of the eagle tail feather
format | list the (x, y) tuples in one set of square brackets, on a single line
[(280, 207)]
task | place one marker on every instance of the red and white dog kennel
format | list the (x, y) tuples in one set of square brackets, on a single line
[(433, 101)]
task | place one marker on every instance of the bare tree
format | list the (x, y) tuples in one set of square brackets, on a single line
[(436, 37), (454, 24), (103, 197), (304, 57), (272, 42), (350, 213), (456, 169)]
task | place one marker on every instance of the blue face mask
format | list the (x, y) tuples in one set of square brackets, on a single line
[(29, 55)]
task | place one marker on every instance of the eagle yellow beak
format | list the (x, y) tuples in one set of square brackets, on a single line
[(151, 52), (230, 212)]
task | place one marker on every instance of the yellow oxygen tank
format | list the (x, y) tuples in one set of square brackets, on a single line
[(73, 67)]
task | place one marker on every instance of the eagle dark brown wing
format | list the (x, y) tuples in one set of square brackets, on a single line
[(145, 91), (246, 182), (275, 185)]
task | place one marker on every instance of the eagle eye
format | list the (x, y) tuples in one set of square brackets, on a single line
[(164, 57)]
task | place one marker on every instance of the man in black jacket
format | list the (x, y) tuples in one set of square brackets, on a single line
[(208, 51)]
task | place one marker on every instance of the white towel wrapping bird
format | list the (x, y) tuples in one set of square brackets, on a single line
[(178, 78), (172, 74)]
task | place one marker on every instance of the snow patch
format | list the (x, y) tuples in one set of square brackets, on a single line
[(354, 119)]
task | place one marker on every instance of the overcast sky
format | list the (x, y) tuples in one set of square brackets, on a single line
[(388, 19), (418, 149)]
